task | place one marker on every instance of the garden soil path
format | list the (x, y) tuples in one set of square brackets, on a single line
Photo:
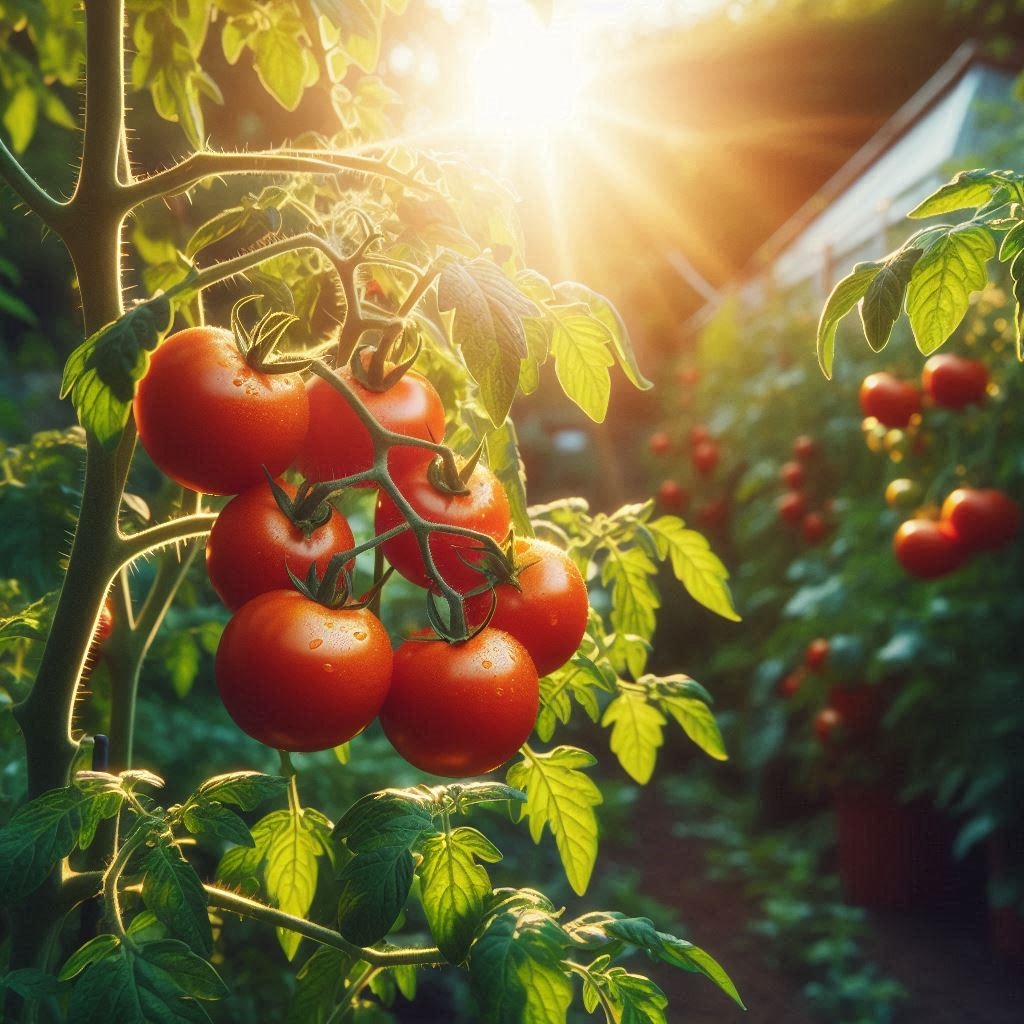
[(945, 965)]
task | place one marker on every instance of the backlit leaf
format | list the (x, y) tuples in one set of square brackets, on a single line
[(843, 297), (883, 301), (695, 565), (637, 732), (173, 891), (580, 346)]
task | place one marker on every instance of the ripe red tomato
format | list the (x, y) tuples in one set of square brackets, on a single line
[(827, 722), (928, 549), (210, 421), (705, 456), (953, 381), (791, 506), (338, 444), (713, 513), (548, 613), (893, 402), (461, 709), (296, 675), (253, 544), (698, 434), (813, 527), (789, 685), (981, 518), (805, 447), (660, 443), (672, 496), (792, 475), (484, 508), (816, 654)]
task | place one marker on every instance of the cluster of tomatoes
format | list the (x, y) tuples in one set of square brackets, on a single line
[(301, 666), (794, 505), (851, 711), (703, 452), (970, 519)]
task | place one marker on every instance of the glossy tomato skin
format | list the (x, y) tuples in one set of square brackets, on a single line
[(211, 422), (954, 382), (548, 613), (893, 402), (461, 709), (253, 544), (338, 445), (296, 675), (484, 508), (981, 518), (927, 549)]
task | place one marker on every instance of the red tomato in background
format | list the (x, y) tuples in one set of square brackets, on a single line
[(548, 613), (253, 544), (827, 722), (893, 402), (816, 654), (705, 456), (338, 445), (927, 549), (789, 685), (805, 447), (484, 508), (461, 709), (813, 527), (981, 518), (296, 675), (791, 506), (672, 496), (953, 381), (660, 443), (792, 475), (211, 422), (698, 434)]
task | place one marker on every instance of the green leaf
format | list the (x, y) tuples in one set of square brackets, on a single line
[(375, 886), (243, 789), (1017, 279), (938, 295), (634, 999), (488, 328), (883, 301), (291, 850), (637, 732), (1013, 242), (632, 574), (580, 347), (157, 983), (100, 374), (967, 190), (39, 834), (698, 723), (282, 58), (504, 461), (389, 816), (561, 797), (843, 297), (318, 983), (218, 822), (515, 970), (173, 891), (640, 932), (20, 116), (695, 565), (29, 983), (618, 333), (98, 947), (453, 887)]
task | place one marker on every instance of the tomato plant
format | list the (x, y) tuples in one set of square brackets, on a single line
[(356, 251), (211, 421), (296, 675), (254, 544), (461, 709)]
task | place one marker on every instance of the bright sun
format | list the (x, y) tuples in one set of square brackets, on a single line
[(524, 78)]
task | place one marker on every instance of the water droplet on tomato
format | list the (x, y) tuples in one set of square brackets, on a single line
[(238, 382), (359, 635), (487, 663), (328, 667), (314, 644)]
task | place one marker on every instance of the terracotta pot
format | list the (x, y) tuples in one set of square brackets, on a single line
[(898, 856)]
